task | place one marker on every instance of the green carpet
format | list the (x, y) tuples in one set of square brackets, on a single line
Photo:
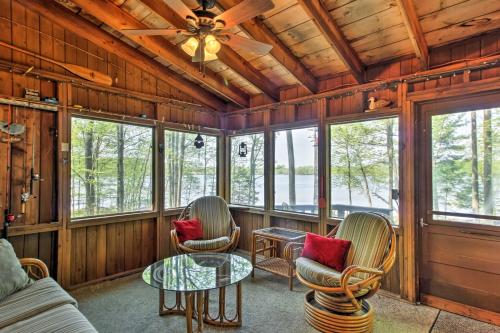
[(129, 305)]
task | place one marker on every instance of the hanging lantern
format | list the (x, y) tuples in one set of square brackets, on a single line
[(198, 142), (243, 150)]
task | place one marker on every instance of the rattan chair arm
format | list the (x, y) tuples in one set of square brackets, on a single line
[(333, 232), (317, 287), (173, 237), (28, 263), (290, 249), (349, 271), (235, 238)]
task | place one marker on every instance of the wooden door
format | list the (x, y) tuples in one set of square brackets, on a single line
[(459, 203)]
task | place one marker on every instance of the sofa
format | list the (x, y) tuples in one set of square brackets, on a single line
[(35, 305)]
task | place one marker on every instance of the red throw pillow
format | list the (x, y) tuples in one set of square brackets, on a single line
[(330, 252), (188, 230)]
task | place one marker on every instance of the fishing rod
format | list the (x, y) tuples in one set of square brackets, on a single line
[(28, 195)]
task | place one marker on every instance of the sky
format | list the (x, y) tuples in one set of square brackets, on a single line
[(303, 145)]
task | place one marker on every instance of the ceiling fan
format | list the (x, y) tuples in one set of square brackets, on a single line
[(205, 31)]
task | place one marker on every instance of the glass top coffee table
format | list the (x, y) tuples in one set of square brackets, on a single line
[(195, 275)]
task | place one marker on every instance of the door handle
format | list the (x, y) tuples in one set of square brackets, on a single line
[(422, 223)]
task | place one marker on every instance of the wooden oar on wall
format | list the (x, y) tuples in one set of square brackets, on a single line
[(85, 73)]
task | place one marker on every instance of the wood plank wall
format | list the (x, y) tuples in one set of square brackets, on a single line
[(96, 250), (37, 245), (480, 46), (110, 249), (122, 246)]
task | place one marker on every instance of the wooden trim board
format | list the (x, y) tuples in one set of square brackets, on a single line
[(461, 309)]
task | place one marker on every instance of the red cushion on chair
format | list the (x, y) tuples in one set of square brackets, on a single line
[(188, 230), (330, 252)]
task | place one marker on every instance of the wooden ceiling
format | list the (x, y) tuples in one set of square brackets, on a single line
[(311, 39)]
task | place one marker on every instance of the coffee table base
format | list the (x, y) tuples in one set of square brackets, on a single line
[(197, 307)]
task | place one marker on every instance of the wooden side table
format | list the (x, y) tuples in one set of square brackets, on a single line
[(271, 239)]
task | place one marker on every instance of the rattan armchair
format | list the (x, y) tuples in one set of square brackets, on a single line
[(337, 301), (220, 233)]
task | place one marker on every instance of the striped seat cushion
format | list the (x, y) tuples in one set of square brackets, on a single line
[(214, 215), (319, 274), (40, 296), (369, 235), (208, 244), (61, 319)]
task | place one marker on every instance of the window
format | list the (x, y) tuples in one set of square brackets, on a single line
[(364, 167), (466, 166), (247, 170), (296, 170), (111, 167), (190, 172)]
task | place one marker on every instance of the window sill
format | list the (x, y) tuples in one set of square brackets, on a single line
[(295, 216), (16, 230), (173, 211), (108, 219), (248, 209)]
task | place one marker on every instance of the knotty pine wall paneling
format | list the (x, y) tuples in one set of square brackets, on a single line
[(112, 249), (37, 245), (83, 253), (247, 222)]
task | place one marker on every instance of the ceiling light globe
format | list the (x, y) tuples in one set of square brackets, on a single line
[(210, 56), (190, 46), (212, 45)]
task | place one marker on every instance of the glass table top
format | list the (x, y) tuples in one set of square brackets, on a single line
[(284, 233), (197, 271)]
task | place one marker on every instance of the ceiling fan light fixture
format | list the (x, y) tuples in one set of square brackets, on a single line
[(190, 46)]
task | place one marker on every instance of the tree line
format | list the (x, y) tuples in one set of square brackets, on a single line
[(111, 167), (465, 160)]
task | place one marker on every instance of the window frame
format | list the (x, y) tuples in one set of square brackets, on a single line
[(217, 133), (271, 164), (109, 218), (475, 102), (229, 138), (357, 118)]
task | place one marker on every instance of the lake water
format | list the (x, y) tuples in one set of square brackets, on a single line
[(304, 185), (304, 192)]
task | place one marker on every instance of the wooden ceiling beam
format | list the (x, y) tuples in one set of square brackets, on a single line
[(110, 14), (260, 32), (80, 26), (227, 55), (325, 23), (415, 32)]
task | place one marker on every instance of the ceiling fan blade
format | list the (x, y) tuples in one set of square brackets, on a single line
[(243, 11), (180, 8), (238, 42), (153, 32)]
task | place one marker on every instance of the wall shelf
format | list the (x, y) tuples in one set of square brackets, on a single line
[(23, 102)]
